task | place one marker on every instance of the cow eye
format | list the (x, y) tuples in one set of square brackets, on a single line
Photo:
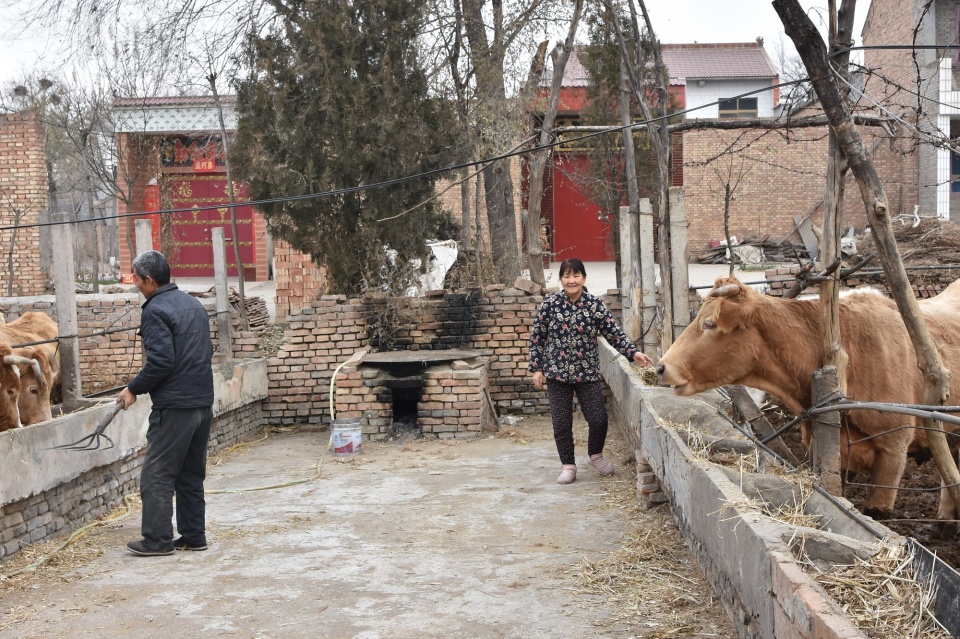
[(708, 324)]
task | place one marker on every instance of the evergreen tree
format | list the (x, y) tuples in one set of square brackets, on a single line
[(337, 99)]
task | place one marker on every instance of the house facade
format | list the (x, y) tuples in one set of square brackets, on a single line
[(706, 81), (170, 156), (921, 88)]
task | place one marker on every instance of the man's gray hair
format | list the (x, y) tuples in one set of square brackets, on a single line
[(152, 264)]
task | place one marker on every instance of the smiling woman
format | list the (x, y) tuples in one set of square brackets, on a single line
[(564, 359)]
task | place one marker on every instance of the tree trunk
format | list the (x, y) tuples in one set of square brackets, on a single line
[(809, 44), (212, 78), (540, 158)]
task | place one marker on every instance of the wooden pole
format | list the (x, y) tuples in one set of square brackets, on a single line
[(224, 339), (65, 286), (678, 256), (825, 443), (628, 286)]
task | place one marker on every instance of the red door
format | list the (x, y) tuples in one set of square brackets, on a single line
[(580, 228), (189, 238)]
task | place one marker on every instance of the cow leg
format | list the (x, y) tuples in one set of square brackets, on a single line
[(885, 476), (947, 513)]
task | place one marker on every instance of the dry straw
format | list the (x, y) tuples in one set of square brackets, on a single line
[(883, 595)]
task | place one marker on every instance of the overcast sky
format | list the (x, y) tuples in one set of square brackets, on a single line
[(674, 21)]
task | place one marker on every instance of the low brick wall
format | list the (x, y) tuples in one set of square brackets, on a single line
[(494, 320), (109, 312), (55, 492)]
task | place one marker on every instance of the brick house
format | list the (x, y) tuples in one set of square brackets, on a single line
[(170, 157), (779, 175), (920, 87), (23, 196)]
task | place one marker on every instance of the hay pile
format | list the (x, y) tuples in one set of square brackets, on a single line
[(932, 242), (883, 596)]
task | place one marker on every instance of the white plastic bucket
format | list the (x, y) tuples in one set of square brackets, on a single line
[(347, 437)]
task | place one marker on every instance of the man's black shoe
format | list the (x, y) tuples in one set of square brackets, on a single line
[(183, 544), (146, 548)]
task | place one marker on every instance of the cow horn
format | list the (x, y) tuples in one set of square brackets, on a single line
[(20, 360), (727, 290)]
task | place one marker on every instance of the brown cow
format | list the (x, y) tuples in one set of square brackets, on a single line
[(34, 326), (743, 337), (36, 383), (9, 389)]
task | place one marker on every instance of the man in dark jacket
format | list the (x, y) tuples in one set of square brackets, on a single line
[(178, 374)]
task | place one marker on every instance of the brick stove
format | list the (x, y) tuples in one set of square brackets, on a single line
[(437, 394)]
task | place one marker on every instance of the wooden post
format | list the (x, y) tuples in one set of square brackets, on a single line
[(825, 442), (678, 253), (144, 230), (223, 306), (65, 286), (648, 280), (631, 310)]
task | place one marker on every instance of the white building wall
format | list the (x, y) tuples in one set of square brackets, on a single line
[(713, 91)]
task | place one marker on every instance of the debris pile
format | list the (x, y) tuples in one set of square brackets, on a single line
[(772, 251), (924, 244)]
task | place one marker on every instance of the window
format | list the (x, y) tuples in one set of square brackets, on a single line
[(738, 108), (954, 173)]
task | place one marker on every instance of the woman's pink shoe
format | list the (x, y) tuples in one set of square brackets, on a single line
[(602, 464), (568, 474)]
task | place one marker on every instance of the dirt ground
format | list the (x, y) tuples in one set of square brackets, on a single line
[(424, 539)]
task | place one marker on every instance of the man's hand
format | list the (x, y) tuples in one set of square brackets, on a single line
[(128, 398), (643, 359), (539, 380)]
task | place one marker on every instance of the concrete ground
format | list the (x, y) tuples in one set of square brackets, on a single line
[(427, 539)]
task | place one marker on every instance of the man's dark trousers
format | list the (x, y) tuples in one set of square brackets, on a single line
[(175, 463)]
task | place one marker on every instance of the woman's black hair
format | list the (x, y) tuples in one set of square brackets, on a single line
[(572, 264)]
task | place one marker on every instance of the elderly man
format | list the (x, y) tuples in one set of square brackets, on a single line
[(178, 375)]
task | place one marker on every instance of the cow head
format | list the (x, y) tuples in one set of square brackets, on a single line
[(36, 383), (9, 389), (720, 346)]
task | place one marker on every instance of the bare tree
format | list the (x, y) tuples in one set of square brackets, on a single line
[(540, 157)]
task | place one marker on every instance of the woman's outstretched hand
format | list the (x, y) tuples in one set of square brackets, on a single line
[(641, 358)]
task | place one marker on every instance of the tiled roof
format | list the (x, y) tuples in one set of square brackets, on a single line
[(695, 61), (691, 61), (172, 101)]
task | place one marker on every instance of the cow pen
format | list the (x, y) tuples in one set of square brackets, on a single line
[(745, 565)]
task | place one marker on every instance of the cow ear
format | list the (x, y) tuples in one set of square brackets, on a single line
[(731, 315)]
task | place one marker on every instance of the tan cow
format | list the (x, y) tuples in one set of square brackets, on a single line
[(36, 384), (34, 326), (743, 337), (9, 389)]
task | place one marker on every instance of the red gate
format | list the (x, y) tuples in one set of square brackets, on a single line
[(580, 227), (189, 238)]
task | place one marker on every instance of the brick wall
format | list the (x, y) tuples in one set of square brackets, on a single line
[(783, 176), (781, 280), (890, 22), (494, 320), (102, 312), (451, 401), (298, 280), (23, 194)]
